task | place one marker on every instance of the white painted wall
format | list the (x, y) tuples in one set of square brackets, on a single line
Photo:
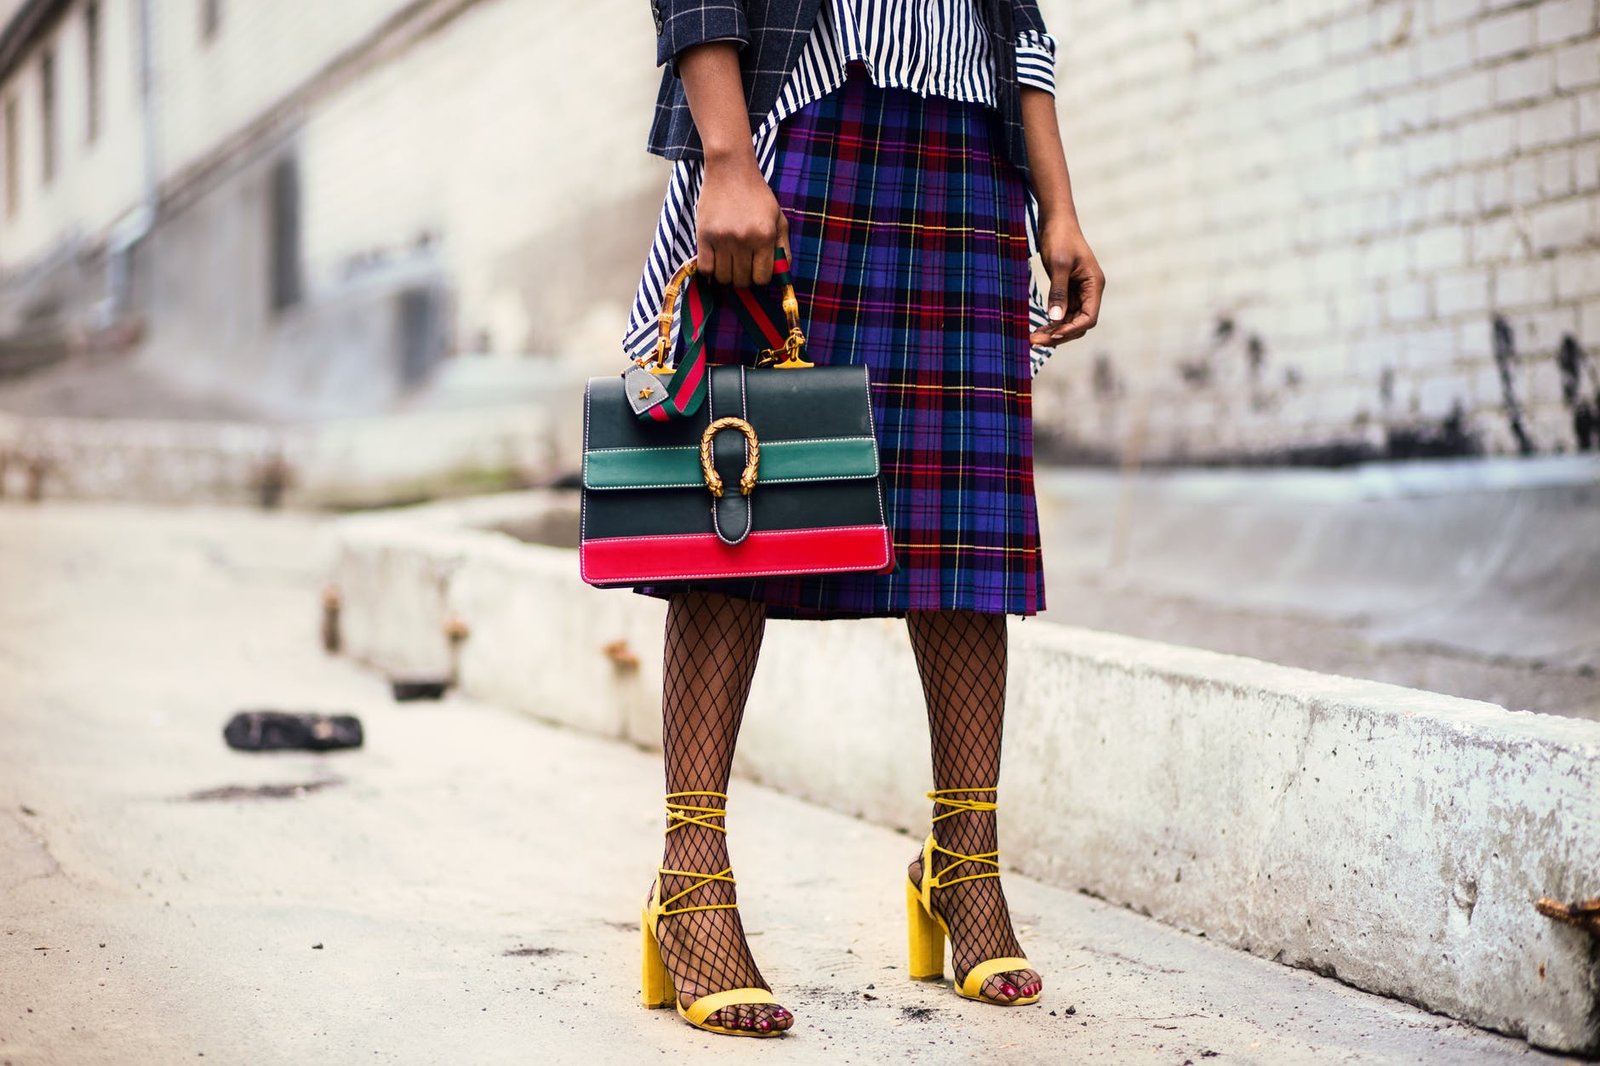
[(500, 136), (518, 138), (95, 181), (206, 91)]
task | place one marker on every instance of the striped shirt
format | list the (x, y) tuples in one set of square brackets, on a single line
[(929, 47)]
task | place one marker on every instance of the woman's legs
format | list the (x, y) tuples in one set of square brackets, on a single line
[(961, 656), (712, 643)]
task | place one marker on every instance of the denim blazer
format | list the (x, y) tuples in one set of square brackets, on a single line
[(772, 34)]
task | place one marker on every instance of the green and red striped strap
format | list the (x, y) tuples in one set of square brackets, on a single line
[(687, 389)]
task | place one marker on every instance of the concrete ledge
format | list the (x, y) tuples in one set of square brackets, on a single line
[(335, 463), (1393, 838), (1491, 558)]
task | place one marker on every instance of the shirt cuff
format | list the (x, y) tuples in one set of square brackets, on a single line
[(1036, 61)]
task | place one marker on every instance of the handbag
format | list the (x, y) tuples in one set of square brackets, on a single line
[(705, 472)]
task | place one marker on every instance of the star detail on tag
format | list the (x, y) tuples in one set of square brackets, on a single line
[(645, 394)]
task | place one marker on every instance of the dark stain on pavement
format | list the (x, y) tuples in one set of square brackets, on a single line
[(229, 793), (531, 953)]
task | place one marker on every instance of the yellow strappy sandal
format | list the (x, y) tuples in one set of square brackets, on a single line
[(657, 988), (926, 931)]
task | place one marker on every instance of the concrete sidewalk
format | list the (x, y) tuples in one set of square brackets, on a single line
[(464, 889)]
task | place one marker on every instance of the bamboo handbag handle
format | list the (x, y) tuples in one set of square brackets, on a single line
[(789, 355)]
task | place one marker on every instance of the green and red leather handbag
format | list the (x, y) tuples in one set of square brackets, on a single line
[(701, 472)]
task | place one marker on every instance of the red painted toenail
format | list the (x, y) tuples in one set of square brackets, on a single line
[(1008, 990), (766, 1027)]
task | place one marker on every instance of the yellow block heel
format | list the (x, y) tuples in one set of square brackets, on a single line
[(655, 982), (656, 988), (926, 930), (924, 939)]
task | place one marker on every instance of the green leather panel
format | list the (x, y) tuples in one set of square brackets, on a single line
[(782, 462)]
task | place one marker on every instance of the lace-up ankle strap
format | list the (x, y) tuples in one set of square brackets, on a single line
[(959, 802), (682, 811), (955, 799), (702, 880), (680, 814)]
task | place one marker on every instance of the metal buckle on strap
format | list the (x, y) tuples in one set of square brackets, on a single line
[(791, 351)]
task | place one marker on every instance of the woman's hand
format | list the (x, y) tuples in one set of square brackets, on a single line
[(1076, 284), (738, 222), (1076, 281)]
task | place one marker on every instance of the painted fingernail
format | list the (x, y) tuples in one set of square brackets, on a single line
[(1057, 312)]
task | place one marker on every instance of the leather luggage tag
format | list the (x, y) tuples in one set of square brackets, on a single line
[(643, 389)]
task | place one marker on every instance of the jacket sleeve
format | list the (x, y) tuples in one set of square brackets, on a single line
[(683, 24), (1026, 18)]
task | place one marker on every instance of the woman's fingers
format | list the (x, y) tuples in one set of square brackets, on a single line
[(740, 220), (743, 266), (761, 266), (1073, 307), (1089, 293)]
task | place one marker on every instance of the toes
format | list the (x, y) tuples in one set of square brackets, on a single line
[(1000, 989), (1025, 983), (1012, 986), (754, 1019)]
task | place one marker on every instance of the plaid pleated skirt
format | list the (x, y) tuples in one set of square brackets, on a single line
[(910, 256)]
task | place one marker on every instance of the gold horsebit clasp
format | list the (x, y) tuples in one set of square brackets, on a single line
[(708, 469)]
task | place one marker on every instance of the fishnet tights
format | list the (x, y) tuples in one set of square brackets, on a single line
[(961, 657), (712, 644)]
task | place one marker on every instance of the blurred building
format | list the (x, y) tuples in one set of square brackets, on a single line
[(308, 205), (1334, 229)]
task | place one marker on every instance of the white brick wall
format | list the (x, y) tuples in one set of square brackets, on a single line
[(1360, 186)]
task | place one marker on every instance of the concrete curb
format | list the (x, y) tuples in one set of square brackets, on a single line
[(1393, 838)]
